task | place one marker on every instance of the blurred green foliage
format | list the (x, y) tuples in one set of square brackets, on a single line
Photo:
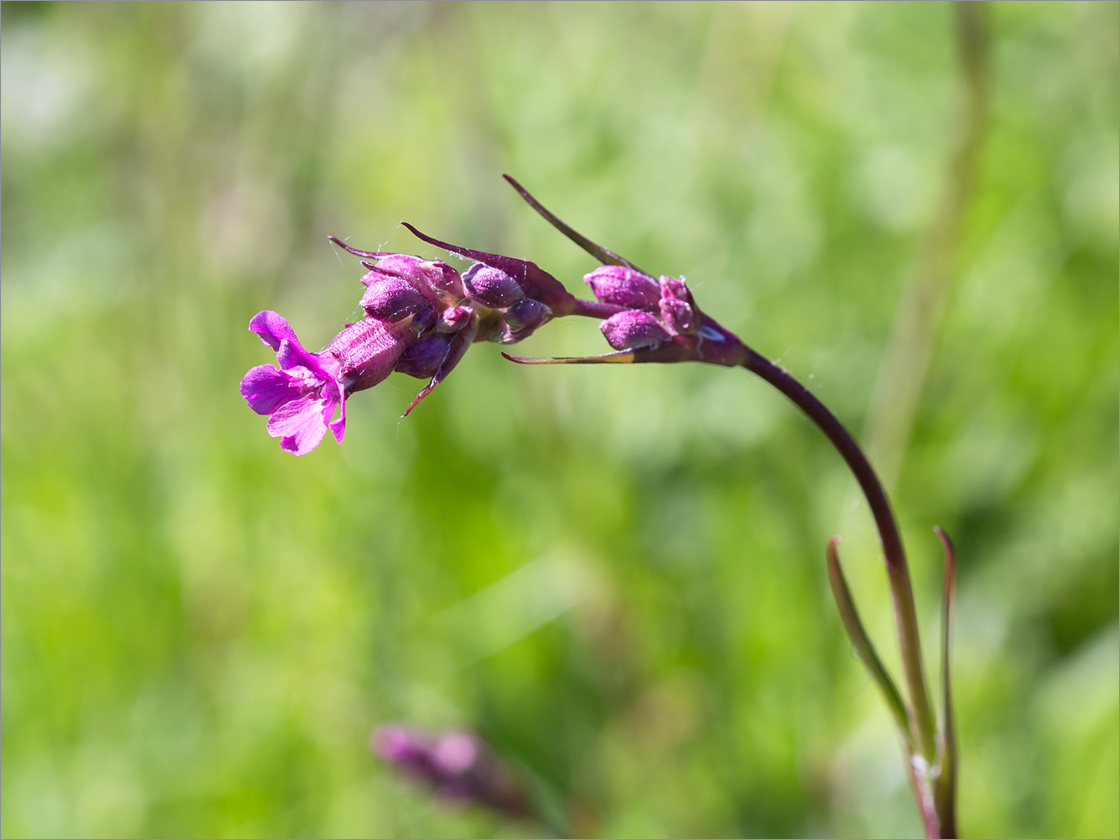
[(615, 575)]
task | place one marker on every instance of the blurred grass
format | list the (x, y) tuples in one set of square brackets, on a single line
[(615, 575)]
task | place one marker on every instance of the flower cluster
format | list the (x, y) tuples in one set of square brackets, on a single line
[(422, 315), (456, 765), (655, 310)]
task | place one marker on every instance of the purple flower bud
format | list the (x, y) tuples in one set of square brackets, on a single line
[(674, 288), (679, 316), (527, 314), (422, 359), (427, 275), (454, 318), (392, 299), (368, 351), (491, 287), (624, 286), (633, 329)]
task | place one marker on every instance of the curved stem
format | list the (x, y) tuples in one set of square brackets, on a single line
[(920, 711), (946, 787)]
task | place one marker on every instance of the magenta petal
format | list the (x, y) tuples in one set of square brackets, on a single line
[(292, 355), (338, 397), (265, 388), (272, 328), (338, 427), (299, 424)]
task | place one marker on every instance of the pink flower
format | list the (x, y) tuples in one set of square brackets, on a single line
[(300, 397)]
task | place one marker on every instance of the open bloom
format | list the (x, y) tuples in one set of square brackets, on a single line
[(301, 396)]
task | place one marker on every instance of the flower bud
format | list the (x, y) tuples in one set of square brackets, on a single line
[(521, 320), (624, 286), (432, 276), (491, 286), (393, 299), (674, 288), (633, 329), (454, 318), (679, 316), (422, 359), (527, 314)]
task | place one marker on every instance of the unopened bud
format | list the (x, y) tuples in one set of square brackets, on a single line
[(633, 329), (527, 314), (674, 288), (679, 316), (491, 286), (624, 286), (422, 359), (427, 275), (453, 319), (393, 299)]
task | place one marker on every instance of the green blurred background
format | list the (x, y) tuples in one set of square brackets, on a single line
[(616, 575)]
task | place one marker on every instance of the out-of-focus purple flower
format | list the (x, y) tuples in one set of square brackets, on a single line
[(455, 765)]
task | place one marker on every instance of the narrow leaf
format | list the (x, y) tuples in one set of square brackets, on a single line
[(862, 643), (622, 357)]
